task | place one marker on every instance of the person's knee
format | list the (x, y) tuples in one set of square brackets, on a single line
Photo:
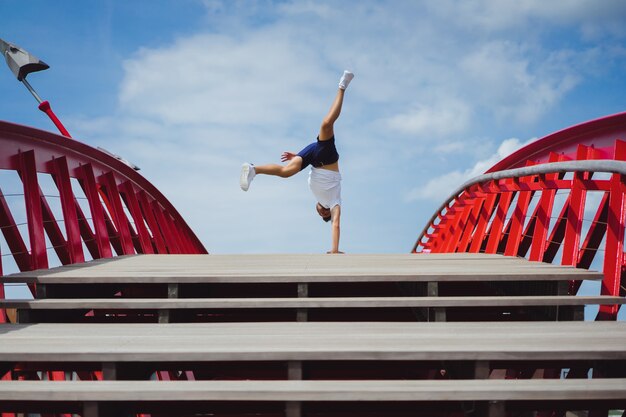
[(293, 167), (287, 172), (326, 129), (327, 124)]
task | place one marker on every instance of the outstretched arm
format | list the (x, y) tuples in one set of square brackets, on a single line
[(335, 214)]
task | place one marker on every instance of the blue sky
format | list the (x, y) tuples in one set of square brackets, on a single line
[(190, 89)]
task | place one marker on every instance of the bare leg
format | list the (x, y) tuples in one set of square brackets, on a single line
[(284, 171), (326, 130), (249, 171)]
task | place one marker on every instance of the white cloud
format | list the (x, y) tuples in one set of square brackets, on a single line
[(450, 147), (501, 72), (216, 79), (258, 79), (440, 187), (213, 6), (307, 7), (440, 119), (592, 17), (191, 112)]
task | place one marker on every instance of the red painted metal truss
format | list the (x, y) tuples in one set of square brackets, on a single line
[(70, 202), (560, 200)]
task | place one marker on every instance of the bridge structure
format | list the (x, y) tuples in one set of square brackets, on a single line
[(130, 316)]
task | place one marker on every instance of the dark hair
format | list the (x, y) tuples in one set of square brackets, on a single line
[(318, 206)]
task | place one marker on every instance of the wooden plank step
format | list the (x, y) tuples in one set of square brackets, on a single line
[(284, 341), (385, 390), (303, 268), (317, 302)]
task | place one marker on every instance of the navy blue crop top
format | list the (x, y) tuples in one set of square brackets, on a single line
[(319, 153)]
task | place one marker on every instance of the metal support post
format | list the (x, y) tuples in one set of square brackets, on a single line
[(482, 370), (294, 373), (496, 409), (435, 313), (172, 292), (91, 409), (109, 371), (302, 314)]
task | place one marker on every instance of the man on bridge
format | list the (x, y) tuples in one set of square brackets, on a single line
[(324, 177)]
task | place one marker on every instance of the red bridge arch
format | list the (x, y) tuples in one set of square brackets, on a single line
[(512, 209), (122, 213)]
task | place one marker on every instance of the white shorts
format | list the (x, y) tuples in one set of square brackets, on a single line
[(326, 186)]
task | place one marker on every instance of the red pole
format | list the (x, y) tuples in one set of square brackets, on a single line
[(44, 106)]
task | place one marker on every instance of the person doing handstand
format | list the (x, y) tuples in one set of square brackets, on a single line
[(324, 177)]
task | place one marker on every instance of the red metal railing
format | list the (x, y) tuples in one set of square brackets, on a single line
[(103, 207), (559, 199)]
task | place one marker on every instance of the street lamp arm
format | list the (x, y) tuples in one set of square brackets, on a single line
[(20, 61)]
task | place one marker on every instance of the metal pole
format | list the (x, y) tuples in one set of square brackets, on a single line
[(32, 90)]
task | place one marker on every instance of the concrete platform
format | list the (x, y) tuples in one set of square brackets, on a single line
[(284, 341), (316, 302), (370, 391), (303, 268)]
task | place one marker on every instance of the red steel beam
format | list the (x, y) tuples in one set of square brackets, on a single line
[(62, 180), (112, 189), (34, 214), (90, 188), (130, 198)]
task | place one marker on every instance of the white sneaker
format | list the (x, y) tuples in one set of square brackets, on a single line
[(247, 174), (345, 79)]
